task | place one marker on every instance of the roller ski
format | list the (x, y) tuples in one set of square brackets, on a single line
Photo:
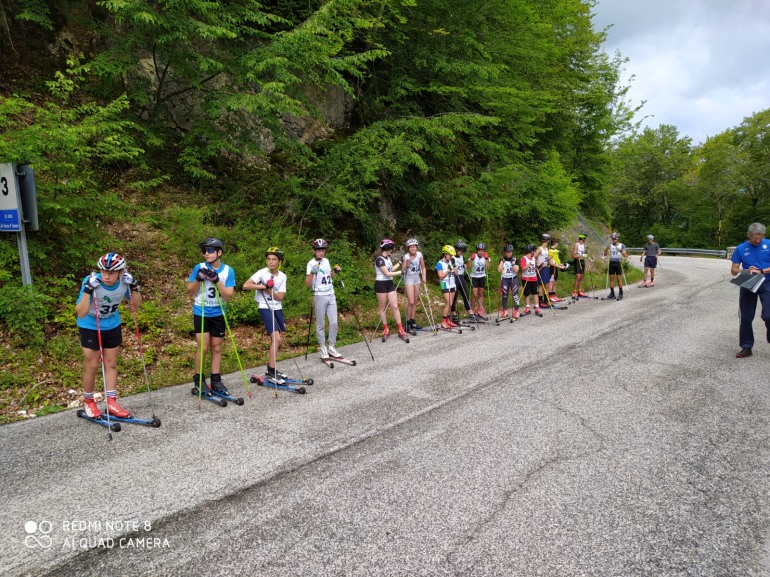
[(335, 356), (118, 413), (276, 383), (100, 420)]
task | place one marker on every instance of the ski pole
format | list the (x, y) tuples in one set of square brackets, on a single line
[(545, 292), (272, 339), (201, 348), (232, 341), (428, 314), (465, 297), (309, 325), (623, 272), (355, 314), (141, 352), (101, 358)]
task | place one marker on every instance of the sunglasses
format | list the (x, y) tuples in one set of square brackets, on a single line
[(209, 250)]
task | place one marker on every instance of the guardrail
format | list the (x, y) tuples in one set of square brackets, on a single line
[(690, 251)]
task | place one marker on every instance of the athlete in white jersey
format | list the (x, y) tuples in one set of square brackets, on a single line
[(98, 321), (269, 285), (616, 251), (318, 276), (478, 263), (462, 286), (509, 281), (387, 297), (413, 265)]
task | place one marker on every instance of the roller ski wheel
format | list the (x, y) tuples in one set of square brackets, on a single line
[(262, 382), (344, 361), (404, 338), (328, 362), (112, 425)]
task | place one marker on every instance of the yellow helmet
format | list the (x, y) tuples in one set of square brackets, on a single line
[(449, 249)]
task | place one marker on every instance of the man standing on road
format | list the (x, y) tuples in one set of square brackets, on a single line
[(752, 255), (650, 254)]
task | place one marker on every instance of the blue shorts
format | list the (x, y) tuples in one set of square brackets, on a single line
[(267, 320), (545, 275), (650, 262)]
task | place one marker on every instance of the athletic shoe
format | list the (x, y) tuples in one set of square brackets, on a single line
[(515, 313), (611, 295), (385, 331), (199, 380), (445, 323), (538, 311), (652, 283), (582, 294), (526, 312), (219, 387), (555, 299), (401, 332), (455, 319), (620, 296), (743, 353), (574, 295), (92, 409), (480, 312), (114, 409), (643, 285), (452, 324), (505, 314), (415, 326), (324, 352), (334, 352)]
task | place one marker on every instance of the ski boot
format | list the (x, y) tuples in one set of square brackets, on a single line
[(504, 315), (446, 323), (644, 284), (324, 352), (538, 312), (218, 386), (516, 313), (332, 352), (652, 283), (555, 299), (92, 409), (114, 409), (581, 294), (620, 296), (455, 318)]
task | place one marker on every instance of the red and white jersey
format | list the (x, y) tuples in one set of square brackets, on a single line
[(528, 267)]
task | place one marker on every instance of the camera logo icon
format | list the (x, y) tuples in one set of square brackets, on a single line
[(38, 534)]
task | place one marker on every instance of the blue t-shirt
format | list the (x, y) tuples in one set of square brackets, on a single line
[(749, 255), (108, 298), (208, 296)]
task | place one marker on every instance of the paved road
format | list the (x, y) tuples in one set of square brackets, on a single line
[(613, 439)]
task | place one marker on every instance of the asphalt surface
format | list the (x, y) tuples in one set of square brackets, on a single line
[(609, 439)]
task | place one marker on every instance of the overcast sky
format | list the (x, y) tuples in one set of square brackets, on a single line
[(701, 65)]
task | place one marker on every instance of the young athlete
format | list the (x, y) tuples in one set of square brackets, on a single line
[(384, 271), (414, 272), (509, 281), (616, 250), (460, 283), (101, 294), (528, 266), (650, 255), (212, 283), (269, 285), (579, 255), (544, 263), (446, 281), (319, 274), (553, 255), (478, 263)]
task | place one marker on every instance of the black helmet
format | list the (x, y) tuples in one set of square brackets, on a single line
[(461, 245), (212, 242), (275, 251), (508, 248), (544, 237), (320, 243), (481, 246), (529, 248)]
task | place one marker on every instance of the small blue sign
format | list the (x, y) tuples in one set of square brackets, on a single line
[(9, 221)]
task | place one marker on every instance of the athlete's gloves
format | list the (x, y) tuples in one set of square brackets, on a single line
[(202, 275), (270, 284), (211, 275), (485, 255), (92, 283), (315, 270), (128, 279)]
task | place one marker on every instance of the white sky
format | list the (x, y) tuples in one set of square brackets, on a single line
[(701, 65)]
